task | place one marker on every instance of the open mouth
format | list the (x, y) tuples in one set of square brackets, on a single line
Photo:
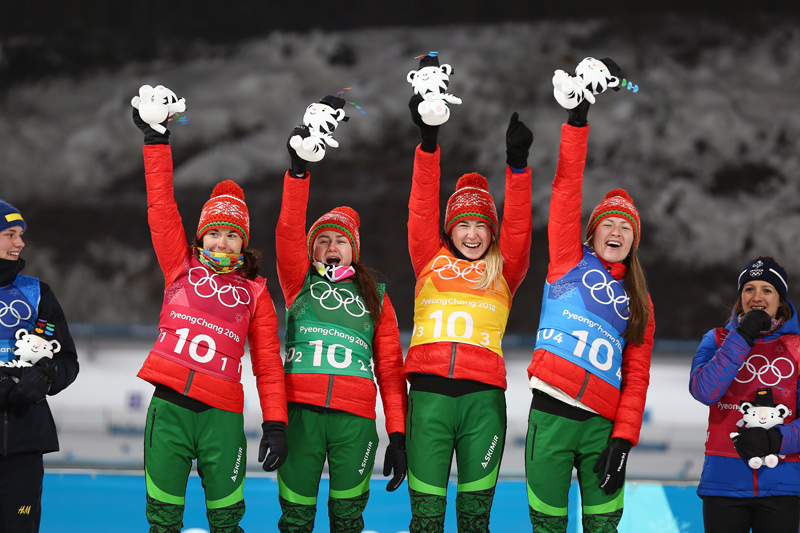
[(614, 244), (333, 261), (472, 246)]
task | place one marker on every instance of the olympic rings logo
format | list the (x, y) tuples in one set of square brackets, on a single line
[(447, 269), (332, 298), (16, 309), (769, 370), (614, 293), (227, 294)]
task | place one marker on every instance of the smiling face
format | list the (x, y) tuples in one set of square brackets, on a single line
[(222, 240), (612, 239), (11, 243), (471, 237), (760, 295), (333, 248)]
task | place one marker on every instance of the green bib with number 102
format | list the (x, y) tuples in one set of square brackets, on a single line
[(329, 329)]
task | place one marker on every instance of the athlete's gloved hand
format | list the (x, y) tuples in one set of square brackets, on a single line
[(395, 459), (757, 442), (32, 387), (7, 384), (753, 323), (274, 440), (518, 140), (427, 133), (612, 463), (151, 136), (577, 116), (299, 165)]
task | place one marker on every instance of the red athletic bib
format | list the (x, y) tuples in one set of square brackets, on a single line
[(774, 364), (205, 319)]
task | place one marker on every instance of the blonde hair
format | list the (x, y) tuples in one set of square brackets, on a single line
[(493, 274)]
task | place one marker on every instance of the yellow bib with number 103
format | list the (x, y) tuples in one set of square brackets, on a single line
[(448, 308)]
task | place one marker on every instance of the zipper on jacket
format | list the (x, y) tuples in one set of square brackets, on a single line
[(330, 391), (583, 387), (5, 433), (152, 427), (452, 359), (188, 383), (755, 483)]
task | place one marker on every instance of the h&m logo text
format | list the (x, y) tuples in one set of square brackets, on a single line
[(25, 509)]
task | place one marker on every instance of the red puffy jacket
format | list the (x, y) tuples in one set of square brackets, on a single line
[(169, 241), (352, 394), (625, 406), (460, 360)]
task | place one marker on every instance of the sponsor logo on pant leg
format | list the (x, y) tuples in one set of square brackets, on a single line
[(366, 457), (489, 453)]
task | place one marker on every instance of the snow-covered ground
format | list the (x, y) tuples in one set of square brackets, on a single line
[(708, 147)]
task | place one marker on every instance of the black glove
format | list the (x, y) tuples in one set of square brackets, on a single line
[(151, 136), (427, 133), (753, 323), (395, 459), (577, 115), (612, 463), (757, 442), (298, 168), (274, 440), (32, 387), (7, 384), (518, 140)]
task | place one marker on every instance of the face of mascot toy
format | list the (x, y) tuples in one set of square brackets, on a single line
[(430, 82), (30, 348)]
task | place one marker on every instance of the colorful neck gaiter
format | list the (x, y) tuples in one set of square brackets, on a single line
[(219, 262), (334, 272)]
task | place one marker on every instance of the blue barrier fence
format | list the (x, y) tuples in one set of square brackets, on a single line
[(98, 502)]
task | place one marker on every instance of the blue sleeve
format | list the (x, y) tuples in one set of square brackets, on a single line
[(713, 369), (791, 431)]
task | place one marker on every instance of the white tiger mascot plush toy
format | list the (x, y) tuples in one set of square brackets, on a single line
[(592, 76), (30, 348), (157, 104), (320, 121), (431, 82), (762, 413)]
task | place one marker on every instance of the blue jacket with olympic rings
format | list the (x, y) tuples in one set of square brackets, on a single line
[(714, 368)]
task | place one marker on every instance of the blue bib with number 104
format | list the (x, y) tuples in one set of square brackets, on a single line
[(584, 315)]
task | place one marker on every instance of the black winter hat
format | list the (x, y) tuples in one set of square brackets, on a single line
[(765, 269)]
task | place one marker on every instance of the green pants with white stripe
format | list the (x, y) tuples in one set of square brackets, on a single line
[(473, 426), (554, 446), (349, 442), (174, 436)]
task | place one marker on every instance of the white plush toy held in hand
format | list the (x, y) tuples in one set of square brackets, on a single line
[(592, 76), (431, 82), (30, 348), (157, 104), (762, 413), (320, 120)]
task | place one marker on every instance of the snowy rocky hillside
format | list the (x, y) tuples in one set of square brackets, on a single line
[(708, 147)]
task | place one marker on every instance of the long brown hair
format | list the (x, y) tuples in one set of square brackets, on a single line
[(366, 286), (638, 305), (250, 268)]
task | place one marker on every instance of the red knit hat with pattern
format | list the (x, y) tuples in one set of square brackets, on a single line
[(471, 200), (342, 220), (226, 208), (617, 203)]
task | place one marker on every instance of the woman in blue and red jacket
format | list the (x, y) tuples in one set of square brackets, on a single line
[(591, 367), (754, 358)]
